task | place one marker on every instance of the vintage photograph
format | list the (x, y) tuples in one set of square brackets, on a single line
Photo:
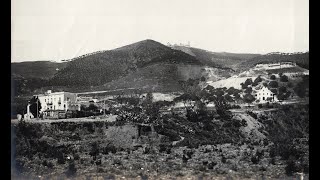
[(159, 89)]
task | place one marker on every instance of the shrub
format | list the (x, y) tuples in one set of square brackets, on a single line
[(71, 171), (248, 90), (265, 84), (211, 165), (273, 84), (243, 86), (248, 98), (61, 159), (284, 78), (292, 166), (223, 159), (282, 89), (76, 157), (248, 81), (94, 149), (252, 114), (256, 81), (272, 77), (255, 159), (290, 84), (244, 123), (109, 148)]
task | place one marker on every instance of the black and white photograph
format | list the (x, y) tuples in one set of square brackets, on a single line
[(159, 89)]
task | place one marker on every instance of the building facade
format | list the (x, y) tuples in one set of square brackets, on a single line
[(58, 101), (265, 95)]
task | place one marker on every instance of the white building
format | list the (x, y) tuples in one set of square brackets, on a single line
[(265, 95), (58, 101), (280, 65)]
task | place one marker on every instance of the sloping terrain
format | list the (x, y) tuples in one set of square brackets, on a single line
[(230, 82), (302, 59), (216, 59), (107, 66), (36, 69)]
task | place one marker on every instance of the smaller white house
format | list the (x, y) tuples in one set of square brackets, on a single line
[(265, 95)]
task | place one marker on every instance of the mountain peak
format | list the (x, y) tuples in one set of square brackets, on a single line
[(147, 43)]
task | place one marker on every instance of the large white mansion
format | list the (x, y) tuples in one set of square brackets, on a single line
[(58, 101)]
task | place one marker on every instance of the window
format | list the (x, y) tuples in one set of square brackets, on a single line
[(45, 100), (263, 98)]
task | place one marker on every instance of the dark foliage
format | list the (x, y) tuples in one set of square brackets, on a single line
[(248, 98), (72, 170), (302, 88), (273, 77), (273, 84), (284, 78), (35, 106)]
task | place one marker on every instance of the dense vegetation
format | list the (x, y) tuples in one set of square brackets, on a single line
[(288, 129)]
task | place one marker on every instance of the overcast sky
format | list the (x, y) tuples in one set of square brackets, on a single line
[(63, 29)]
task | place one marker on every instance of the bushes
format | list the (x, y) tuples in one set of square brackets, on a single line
[(273, 84), (284, 78), (248, 82), (94, 149), (248, 98), (272, 77), (302, 88), (109, 148), (256, 81), (248, 90), (72, 170)]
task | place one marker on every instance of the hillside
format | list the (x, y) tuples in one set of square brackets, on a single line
[(36, 69), (107, 66), (216, 59), (302, 59)]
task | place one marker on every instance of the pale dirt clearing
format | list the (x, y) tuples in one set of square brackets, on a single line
[(230, 82)]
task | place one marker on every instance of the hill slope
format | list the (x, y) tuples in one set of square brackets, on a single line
[(302, 59), (107, 66), (216, 59), (36, 69)]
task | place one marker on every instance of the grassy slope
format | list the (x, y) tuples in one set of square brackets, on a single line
[(36, 69), (301, 60), (111, 65), (215, 59)]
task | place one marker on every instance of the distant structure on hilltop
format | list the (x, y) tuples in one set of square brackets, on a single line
[(180, 44), (281, 53), (278, 65)]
